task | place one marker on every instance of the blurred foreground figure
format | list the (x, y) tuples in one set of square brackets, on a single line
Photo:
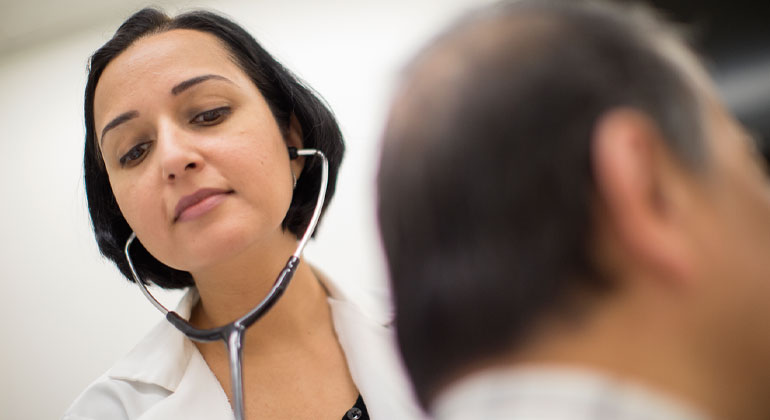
[(575, 226)]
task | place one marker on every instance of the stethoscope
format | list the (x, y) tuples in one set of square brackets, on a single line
[(232, 334)]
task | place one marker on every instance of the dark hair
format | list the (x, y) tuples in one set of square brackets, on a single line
[(485, 183), (285, 95)]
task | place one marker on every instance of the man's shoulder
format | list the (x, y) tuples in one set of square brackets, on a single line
[(557, 393)]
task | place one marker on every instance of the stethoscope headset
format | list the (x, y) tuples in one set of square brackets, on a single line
[(232, 334)]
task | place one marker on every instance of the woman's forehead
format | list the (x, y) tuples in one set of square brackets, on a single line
[(156, 63), (169, 52)]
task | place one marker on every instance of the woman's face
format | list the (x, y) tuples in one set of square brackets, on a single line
[(195, 158)]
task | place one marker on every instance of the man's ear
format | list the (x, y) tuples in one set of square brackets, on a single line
[(293, 138), (638, 182)]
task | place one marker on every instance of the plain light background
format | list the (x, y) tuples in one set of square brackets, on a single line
[(66, 315)]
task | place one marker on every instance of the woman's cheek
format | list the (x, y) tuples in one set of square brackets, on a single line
[(140, 208)]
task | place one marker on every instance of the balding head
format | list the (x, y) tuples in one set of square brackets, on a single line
[(485, 184)]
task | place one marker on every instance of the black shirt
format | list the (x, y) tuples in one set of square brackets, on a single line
[(358, 412)]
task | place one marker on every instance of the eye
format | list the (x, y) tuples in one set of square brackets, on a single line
[(135, 155), (212, 116)]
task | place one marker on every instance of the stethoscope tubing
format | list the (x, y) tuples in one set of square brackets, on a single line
[(232, 334)]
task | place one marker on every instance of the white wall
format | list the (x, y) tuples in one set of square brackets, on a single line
[(65, 314)]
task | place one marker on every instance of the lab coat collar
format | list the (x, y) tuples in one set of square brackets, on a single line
[(166, 358), (163, 355), (364, 326)]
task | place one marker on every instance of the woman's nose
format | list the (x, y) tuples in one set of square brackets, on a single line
[(178, 155), (171, 173)]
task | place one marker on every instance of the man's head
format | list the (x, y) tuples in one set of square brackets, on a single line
[(566, 167)]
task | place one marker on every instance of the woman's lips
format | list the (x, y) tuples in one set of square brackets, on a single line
[(199, 203)]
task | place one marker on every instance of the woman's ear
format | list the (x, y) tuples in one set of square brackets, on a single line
[(294, 135), (293, 138)]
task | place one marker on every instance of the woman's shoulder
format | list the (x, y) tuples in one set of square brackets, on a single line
[(363, 322), (370, 301), (148, 374), (110, 398)]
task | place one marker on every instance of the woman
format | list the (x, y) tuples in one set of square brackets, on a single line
[(188, 127)]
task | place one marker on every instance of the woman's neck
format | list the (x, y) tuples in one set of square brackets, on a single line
[(233, 288), (291, 355)]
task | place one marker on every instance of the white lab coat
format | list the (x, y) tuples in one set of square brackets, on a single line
[(165, 377)]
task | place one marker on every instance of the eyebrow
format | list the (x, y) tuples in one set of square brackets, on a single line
[(176, 90), (181, 87), (120, 119)]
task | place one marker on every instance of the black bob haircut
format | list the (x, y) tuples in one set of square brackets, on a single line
[(285, 95), (485, 186)]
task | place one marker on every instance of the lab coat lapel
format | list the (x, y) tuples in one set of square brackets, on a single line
[(186, 401), (368, 340)]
